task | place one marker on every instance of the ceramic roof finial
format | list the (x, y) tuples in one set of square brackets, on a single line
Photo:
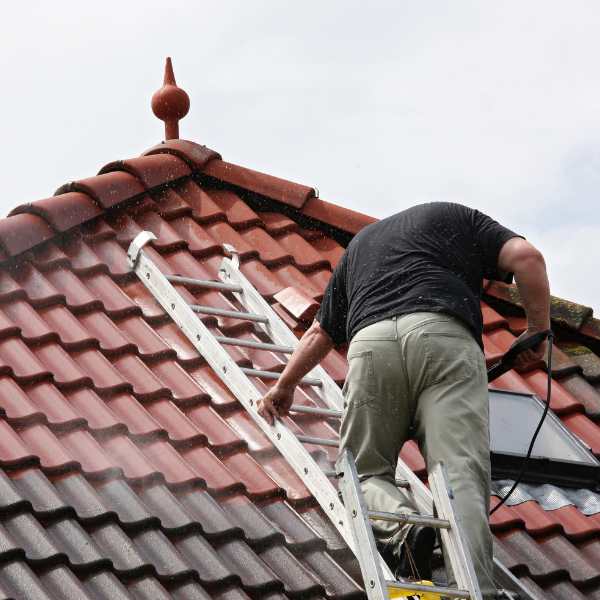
[(170, 103)]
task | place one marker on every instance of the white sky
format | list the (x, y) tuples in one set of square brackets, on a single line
[(379, 105)]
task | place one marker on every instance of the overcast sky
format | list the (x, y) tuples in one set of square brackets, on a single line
[(379, 105)]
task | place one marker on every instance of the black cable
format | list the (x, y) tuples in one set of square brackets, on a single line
[(550, 338)]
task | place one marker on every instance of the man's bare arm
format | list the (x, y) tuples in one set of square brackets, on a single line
[(312, 349), (523, 259)]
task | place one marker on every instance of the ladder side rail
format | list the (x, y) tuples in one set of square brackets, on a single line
[(424, 502), (364, 542), (456, 548), (232, 376), (276, 329)]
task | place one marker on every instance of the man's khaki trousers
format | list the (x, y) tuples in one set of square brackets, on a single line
[(421, 375)]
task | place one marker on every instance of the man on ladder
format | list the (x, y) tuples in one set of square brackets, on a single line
[(406, 294)]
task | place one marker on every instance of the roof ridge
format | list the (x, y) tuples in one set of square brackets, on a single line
[(566, 313), (121, 182)]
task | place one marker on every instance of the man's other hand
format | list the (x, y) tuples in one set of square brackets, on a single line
[(529, 359), (276, 403)]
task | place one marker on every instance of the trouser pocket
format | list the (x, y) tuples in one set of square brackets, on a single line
[(360, 382)]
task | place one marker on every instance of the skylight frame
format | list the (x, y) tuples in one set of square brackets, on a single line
[(583, 472)]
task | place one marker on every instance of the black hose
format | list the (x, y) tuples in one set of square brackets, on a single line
[(550, 337)]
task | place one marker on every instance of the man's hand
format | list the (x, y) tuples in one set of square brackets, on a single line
[(530, 358), (312, 348), (276, 403)]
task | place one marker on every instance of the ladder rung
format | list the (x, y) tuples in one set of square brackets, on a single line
[(223, 312), (314, 410), (435, 589), (204, 283), (317, 441), (329, 473), (409, 518), (251, 344), (274, 375)]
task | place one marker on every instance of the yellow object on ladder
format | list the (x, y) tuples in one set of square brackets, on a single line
[(395, 593)]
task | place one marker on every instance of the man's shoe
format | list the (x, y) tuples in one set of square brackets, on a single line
[(416, 553)]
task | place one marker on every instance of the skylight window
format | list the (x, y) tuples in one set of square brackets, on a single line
[(558, 456)]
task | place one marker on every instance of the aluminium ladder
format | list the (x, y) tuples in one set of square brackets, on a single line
[(358, 516), (236, 378)]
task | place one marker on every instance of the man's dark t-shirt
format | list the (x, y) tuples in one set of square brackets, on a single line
[(429, 258)]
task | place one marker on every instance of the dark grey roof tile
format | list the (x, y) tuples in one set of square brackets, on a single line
[(60, 582), (35, 487), (337, 583), (296, 578), (105, 586), (156, 549), (530, 585), (299, 536), (558, 549), (189, 591), (75, 490), (73, 540), (172, 515), (565, 590), (204, 509), (28, 534), (18, 582), (119, 497), (236, 593), (148, 588), (256, 576), (120, 549), (259, 530), (9, 548), (315, 517), (203, 558), (527, 553), (11, 500)]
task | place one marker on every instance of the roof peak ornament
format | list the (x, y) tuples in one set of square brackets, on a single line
[(170, 103)]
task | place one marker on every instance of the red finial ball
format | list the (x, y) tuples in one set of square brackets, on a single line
[(170, 103)]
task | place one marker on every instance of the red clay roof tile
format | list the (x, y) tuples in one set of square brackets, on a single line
[(24, 364), (8, 327), (13, 452), (328, 248), (578, 387), (107, 190), (16, 404), (91, 407), (237, 212), (20, 233), (583, 427), (170, 205), (56, 323), (167, 238), (341, 218), (195, 155), (203, 207), (49, 256), (277, 224), (306, 257), (293, 194), (58, 411), (269, 251), (37, 286), (138, 421), (151, 170), (200, 242), (62, 212), (297, 303), (102, 330)]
